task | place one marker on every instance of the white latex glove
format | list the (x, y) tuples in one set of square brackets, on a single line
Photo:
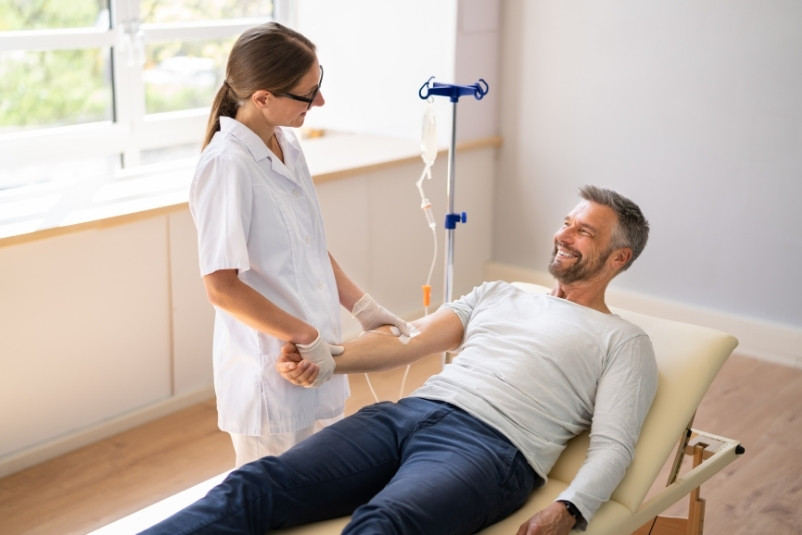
[(371, 315), (321, 353)]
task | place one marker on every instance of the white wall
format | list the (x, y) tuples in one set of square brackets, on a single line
[(378, 54), (691, 108)]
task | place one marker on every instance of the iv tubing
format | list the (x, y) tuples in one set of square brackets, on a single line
[(428, 154)]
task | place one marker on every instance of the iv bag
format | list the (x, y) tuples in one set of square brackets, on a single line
[(428, 144)]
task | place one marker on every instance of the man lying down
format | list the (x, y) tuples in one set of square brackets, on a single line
[(469, 446)]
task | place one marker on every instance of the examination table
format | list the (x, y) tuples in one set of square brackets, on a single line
[(688, 358)]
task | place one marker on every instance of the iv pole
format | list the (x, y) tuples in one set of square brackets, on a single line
[(454, 92)]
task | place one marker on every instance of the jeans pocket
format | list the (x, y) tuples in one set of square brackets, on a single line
[(518, 485)]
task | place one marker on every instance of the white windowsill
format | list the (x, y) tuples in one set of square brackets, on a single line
[(42, 211)]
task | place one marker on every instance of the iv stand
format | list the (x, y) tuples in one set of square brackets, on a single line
[(478, 90), (454, 92)]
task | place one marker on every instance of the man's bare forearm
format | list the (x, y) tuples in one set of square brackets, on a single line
[(380, 350)]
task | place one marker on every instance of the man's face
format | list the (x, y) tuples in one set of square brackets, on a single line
[(582, 244)]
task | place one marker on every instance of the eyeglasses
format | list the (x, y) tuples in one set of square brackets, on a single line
[(308, 100)]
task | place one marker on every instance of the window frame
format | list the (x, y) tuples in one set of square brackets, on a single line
[(131, 130)]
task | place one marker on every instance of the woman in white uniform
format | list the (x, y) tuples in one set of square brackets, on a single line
[(262, 248)]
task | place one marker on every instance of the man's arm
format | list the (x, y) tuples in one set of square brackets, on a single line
[(380, 350), (623, 397)]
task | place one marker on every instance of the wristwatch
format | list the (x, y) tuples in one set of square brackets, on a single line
[(573, 511)]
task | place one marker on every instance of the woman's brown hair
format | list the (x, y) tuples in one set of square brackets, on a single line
[(268, 57)]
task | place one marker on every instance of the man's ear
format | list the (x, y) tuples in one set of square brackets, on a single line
[(621, 256)]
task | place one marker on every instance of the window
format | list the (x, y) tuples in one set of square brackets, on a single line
[(94, 89)]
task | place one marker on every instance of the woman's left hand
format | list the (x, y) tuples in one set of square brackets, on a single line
[(371, 315)]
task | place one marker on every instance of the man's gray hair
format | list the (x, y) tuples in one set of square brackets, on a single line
[(633, 228)]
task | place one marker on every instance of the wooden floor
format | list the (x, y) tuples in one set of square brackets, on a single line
[(755, 402)]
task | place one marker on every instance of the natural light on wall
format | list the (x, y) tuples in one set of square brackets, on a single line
[(100, 91)]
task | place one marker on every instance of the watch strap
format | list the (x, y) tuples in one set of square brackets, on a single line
[(573, 511)]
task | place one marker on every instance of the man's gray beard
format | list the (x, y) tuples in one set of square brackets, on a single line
[(579, 271)]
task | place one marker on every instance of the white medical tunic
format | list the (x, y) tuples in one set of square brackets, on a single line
[(261, 217)]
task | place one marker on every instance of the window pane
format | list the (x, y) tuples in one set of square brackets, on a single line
[(19, 15), (166, 11), (54, 88), (182, 75)]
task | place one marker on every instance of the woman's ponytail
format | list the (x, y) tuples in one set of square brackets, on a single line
[(225, 104)]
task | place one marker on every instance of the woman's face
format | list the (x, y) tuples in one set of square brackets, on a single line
[(289, 109)]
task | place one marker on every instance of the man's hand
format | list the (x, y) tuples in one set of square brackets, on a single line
[(553, 520), (318, 353), (294, 368)]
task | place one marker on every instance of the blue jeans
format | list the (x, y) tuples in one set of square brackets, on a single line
[(412, 467)]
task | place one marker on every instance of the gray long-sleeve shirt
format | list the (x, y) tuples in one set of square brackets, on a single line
[(541, 369)]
